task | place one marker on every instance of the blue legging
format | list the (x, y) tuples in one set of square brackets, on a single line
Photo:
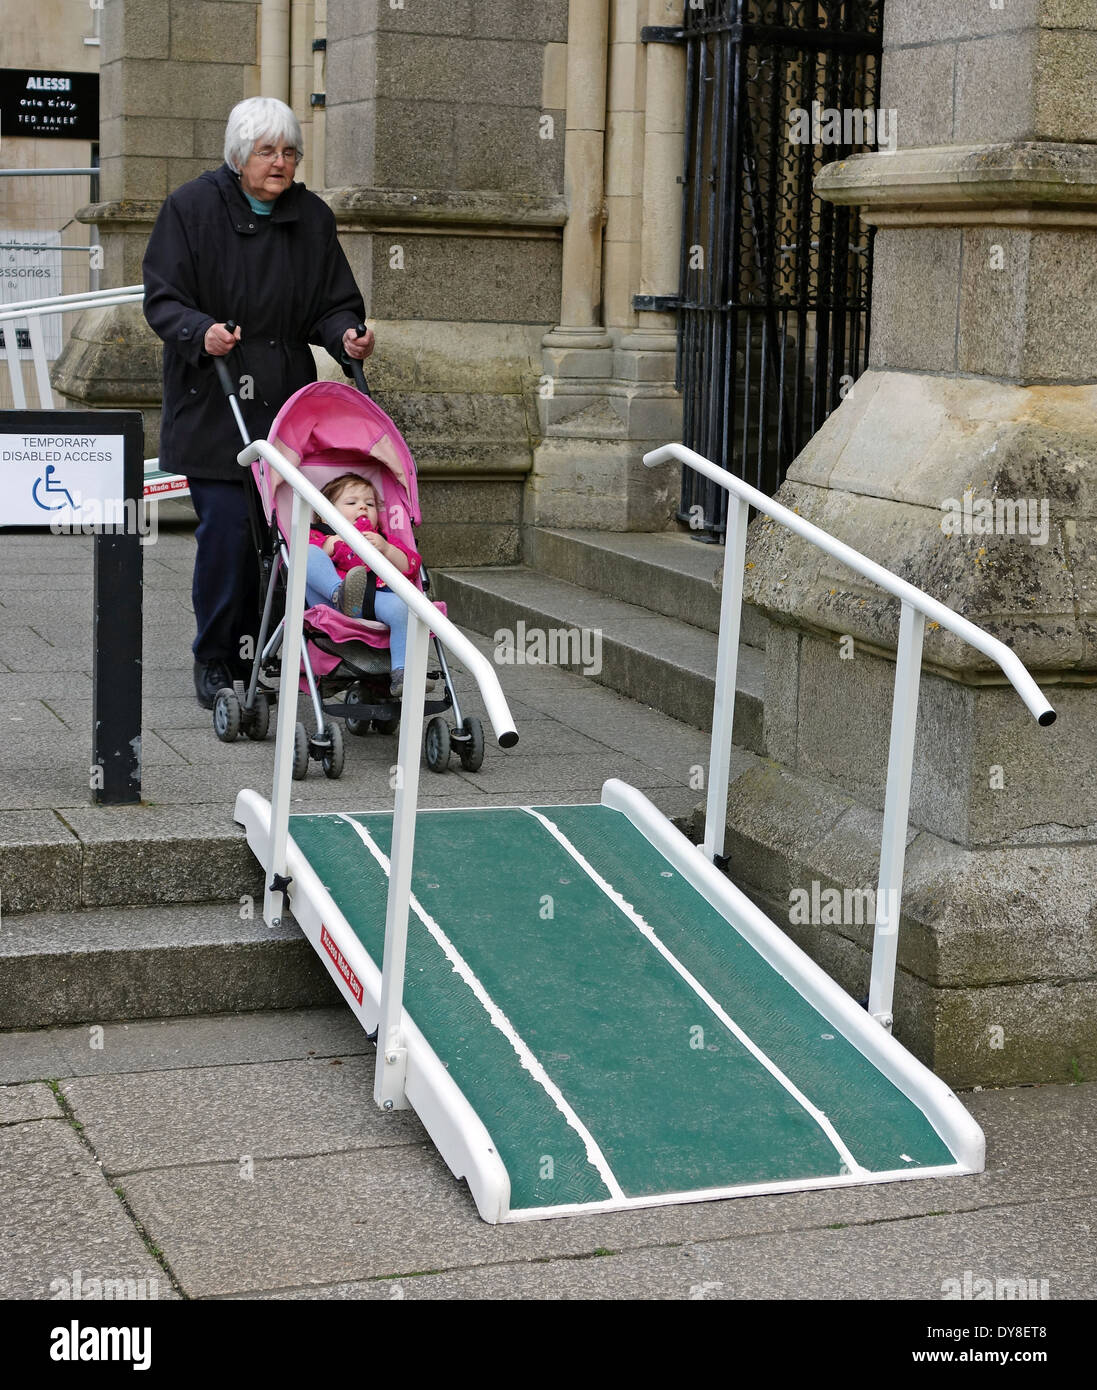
[(322, 580)]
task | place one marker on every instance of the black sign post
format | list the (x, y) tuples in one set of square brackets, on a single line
[(117, 636), (61, 469)]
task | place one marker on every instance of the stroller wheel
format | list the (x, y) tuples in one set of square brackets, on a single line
[(358, 727), (300, 752), (387, 726), (226, 715), (437, 744), (332, 760), (472, 752), (258, 723)]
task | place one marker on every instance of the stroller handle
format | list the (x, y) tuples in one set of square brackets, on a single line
[(356, 366), (220, 366)]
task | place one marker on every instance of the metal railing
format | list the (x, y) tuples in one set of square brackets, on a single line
[(423, 619), (33, 311), (916, 608)]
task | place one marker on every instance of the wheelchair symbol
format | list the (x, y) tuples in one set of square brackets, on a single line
[(52, 487)]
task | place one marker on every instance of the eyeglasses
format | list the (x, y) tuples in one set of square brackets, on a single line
[(268, 155)]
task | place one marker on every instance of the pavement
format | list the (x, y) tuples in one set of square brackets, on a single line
[(243, 1157), (240, 1154)]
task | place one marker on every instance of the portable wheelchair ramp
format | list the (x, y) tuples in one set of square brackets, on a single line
[(597, 1019), (585, 1013)]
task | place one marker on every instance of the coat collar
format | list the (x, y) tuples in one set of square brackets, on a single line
[(286, 206)]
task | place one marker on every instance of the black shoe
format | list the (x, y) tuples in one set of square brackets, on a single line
[(209, 678)]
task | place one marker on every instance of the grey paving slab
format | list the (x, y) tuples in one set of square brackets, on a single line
[(23, 649), (176, 678), (33, 1102), (201, 745), (542, 737), (168, 1044), (33, 747), (68, 582), (172, 1118), (21, 685), (30, 1056), (61, 1223), (1045, 1250), (543, 776), (31, 714), (51, 790)]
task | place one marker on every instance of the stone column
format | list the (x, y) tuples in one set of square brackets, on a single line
[(607, 395), (965, 459), (584, 153), (444, 166)]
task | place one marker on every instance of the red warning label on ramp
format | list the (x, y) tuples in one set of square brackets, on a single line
[(353, 982)]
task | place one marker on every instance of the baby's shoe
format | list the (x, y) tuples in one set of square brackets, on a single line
[(396, 685), (350, 593)]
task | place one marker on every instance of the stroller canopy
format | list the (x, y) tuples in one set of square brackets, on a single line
[(328, 428)]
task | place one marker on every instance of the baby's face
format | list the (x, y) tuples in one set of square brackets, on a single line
[(358, 499)]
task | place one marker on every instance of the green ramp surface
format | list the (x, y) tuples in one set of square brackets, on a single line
[(650, 1091)]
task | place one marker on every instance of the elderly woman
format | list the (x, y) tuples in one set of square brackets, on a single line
[(247, 244)]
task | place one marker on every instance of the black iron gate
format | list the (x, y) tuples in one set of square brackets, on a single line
[(774, 290)]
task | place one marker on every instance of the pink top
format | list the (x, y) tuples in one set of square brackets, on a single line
[(345, 559)]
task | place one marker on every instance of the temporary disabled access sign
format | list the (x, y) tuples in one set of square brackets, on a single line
[(62, 481), (80, 471)]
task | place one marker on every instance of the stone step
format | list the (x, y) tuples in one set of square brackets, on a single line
[(123, 856), (669, 572), (98, 965), (657, 660)]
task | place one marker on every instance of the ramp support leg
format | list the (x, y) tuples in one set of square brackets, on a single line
[(391, 1054), (893, 847), (727, 658), (273, 898)]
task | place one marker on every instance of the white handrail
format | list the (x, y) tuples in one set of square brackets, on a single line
[(1011, 665), (917, 606), (33, 310), (65, 303), (423, 618)]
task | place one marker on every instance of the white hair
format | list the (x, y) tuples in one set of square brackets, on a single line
[(259, 118)]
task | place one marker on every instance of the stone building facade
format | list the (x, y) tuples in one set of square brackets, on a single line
[(504, 179)]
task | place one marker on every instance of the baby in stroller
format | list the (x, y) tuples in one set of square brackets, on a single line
[(337, 578)]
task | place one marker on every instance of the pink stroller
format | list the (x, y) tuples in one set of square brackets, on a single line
[(326, 429)]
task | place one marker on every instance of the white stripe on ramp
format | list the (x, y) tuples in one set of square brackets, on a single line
[(672, 960), (595, 1156)]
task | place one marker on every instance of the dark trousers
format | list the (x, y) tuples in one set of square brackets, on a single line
[(225, 591)]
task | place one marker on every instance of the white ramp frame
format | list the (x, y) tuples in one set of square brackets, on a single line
[(917, 606), (423, 618)]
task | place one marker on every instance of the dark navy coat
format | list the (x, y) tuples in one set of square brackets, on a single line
[(284, 279)]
